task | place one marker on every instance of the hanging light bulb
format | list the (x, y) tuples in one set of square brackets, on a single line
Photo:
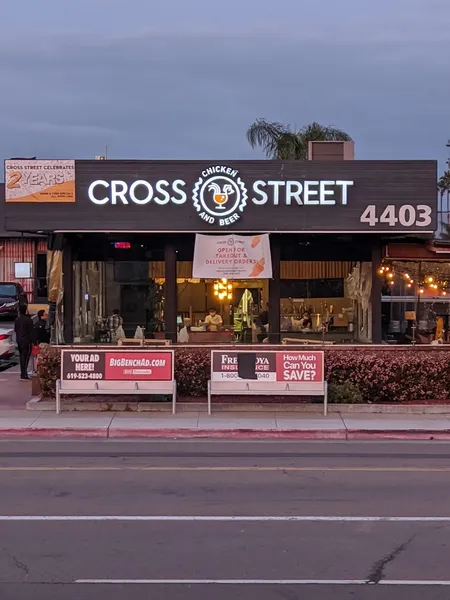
[(391, 275), (430, 279), (230, 287), (230, 296), (409, 285), (392, 282), (421, 291), (224, 280)]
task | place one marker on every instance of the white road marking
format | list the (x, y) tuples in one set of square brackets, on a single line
[(257, 582), (242, 518), (412, 582), (222, 581)]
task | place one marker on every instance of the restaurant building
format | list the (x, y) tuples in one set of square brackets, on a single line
[(123, 233)]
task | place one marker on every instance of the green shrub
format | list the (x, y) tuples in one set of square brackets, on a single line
[(353, 374), (344, 393)]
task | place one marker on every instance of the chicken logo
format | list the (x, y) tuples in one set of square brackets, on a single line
[(220, 196)]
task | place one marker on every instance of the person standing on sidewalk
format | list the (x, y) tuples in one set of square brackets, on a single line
[(42, 334), (24, 329)]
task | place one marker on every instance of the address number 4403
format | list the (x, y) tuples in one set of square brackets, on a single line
[(406, 215)]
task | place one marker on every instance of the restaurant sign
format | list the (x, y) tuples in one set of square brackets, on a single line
[(220, 195), (238, 196), (116, 365)]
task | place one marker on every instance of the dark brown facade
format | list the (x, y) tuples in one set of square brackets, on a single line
[(269, 196)]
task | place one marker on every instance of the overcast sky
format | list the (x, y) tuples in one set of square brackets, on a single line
[(185, 78)]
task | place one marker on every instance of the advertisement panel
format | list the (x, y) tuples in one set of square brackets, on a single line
[(281, 366), (116, 365), (232, 257), (241, 196), (38, 181)]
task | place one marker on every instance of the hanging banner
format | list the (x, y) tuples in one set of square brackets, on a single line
[(37, 181), (232, 257)]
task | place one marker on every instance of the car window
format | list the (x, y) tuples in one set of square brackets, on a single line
[(7, 290)]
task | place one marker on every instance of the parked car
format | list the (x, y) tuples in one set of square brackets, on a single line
[(12, 295), (7, 343)]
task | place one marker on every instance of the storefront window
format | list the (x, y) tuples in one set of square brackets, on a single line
[(416, 302), (317, 307)]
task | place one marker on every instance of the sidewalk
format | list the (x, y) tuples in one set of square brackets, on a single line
[(234, 425), (254, 423)]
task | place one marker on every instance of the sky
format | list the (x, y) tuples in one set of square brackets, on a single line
[(172, 79)]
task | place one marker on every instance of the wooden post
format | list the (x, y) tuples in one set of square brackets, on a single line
[(170, 292), (68, 297), (274, 292), (375, 297)]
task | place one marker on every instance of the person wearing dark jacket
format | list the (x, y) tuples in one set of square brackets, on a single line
[(41, 333), (24, 329)]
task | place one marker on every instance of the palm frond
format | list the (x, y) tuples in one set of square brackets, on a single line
[(266, 135), (317, 132), (281, 142)]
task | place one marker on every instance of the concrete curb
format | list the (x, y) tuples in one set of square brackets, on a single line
[(412, 434), (294, 434), (36, 404), (275, 434)]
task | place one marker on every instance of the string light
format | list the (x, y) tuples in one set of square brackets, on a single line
[(223, 289), (437, 283)]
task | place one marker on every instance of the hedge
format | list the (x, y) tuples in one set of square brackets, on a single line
[(394, 374)]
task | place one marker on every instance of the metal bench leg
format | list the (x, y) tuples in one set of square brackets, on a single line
[(174, 398), (58, 397), (209, 397)]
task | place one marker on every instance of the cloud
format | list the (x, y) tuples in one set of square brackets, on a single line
[(190, 91)]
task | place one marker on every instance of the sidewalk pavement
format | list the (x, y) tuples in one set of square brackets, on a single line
[(14, 394), (15, 421), (234, 425)]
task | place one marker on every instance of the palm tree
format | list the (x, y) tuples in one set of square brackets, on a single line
[(280, 141), (444, 190)]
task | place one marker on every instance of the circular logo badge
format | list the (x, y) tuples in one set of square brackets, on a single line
[(220, 196)]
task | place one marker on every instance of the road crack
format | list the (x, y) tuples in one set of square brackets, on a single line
[(20, 565), (377, 572)]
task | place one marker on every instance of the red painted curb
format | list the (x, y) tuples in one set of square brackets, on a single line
[(50, 432), (295, 434)]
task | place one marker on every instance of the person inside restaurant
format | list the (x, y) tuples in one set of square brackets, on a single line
[(213, 320), (306, 322)]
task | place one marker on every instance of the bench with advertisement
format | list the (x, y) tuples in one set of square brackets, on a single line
[(121, 371), (278, 372)]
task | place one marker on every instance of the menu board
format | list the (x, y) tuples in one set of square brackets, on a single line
[(116, 365)]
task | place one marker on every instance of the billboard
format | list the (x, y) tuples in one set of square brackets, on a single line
[(38, 181)]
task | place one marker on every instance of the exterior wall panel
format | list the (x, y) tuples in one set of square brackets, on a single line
[(382, 184)]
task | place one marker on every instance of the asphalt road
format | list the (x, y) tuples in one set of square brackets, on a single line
[(195, 519)]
